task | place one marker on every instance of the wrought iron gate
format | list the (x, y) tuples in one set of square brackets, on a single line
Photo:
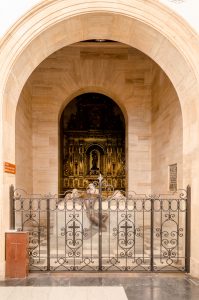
[(105, 230)]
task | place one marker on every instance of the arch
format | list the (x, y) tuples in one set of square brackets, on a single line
[(92, 147), (52, 25), (93, 151), (91, 142), (95, 89)]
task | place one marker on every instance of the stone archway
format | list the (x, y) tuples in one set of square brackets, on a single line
[(30, 41)]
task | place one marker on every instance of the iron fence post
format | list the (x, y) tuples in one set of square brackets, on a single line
[(12, 207), (152, 229), (188, 230), (100, 178), (48, 234)]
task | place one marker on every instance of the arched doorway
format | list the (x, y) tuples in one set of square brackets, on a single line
[(78, 22), (88, 148), (92, 141)]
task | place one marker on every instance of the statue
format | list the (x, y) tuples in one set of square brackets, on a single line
[(94, 160), (92, 196), (92, 189), (89, 198)]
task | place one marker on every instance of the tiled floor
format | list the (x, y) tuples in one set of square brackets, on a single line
[(137, 286)]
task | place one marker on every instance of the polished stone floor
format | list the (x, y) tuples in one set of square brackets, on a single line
[(60, 293), (137, 286)]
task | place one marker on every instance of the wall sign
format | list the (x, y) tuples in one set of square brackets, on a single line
[(173, 177), (9, 168)]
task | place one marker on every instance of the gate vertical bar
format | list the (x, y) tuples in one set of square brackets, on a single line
[(48, 234), (100, 178), (152, 229), (188, 230), (12, 207)]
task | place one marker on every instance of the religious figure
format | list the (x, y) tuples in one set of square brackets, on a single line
[(94, 160)]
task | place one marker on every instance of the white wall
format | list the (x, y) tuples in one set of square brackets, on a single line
[(188, 9), (12, 10)]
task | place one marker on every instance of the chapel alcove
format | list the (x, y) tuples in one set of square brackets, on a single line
[(92, 141)]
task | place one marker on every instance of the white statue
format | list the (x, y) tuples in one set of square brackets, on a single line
[(117, 195), (92, 189)]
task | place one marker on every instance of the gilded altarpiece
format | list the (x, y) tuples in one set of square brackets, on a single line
[(92, 142)]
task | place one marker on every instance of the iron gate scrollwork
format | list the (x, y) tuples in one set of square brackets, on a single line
[(105, 230)]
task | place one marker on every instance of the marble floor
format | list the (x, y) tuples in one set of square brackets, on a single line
[(60, 293), (133, 286)]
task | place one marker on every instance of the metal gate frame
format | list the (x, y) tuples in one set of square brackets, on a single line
[(170, 259)]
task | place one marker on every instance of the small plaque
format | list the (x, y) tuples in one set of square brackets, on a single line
[(9, 168), (173, 177)]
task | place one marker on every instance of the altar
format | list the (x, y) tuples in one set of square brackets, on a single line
[(92, 142)]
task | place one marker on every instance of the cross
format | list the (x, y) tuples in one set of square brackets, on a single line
[(126, 227), (73, 227)]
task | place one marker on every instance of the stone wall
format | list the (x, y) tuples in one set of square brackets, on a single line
[(120, 72), (24, 177), (167, 136), (174, 48), (127, 76)]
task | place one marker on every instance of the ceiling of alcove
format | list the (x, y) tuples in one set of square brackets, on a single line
[(98, 49)]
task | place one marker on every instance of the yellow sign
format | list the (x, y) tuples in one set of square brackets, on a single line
[(9, 168)]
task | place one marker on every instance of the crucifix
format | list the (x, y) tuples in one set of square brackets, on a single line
[(73, 227), (126, 227)]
